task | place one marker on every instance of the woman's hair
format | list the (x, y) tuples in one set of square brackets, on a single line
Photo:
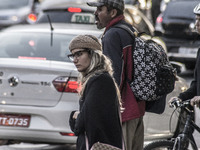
[(99, 64)]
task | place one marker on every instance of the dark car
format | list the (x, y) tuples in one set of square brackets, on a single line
[(176, 27), (18, 12)]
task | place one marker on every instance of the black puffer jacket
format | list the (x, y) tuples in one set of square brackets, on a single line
[(194, 89), (99, 117)]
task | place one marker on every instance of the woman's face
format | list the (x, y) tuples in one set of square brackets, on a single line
[(81, 59)]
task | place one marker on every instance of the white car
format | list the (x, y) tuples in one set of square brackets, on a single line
[(38, 84)]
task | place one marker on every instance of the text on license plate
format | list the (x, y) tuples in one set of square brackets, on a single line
[(14, 120), (188, 50)]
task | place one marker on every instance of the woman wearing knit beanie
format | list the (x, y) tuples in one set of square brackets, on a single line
[(98, 117)]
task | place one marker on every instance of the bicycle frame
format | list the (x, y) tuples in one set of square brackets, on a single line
[(182, 140)]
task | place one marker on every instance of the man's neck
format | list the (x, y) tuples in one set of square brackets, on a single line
[(114, 21)]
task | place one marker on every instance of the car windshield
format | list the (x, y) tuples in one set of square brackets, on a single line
[(13, 4), (35, 46)]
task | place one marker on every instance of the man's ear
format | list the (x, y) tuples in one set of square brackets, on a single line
[(113, 13)]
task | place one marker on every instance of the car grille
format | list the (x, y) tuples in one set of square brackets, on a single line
[(179, 31)]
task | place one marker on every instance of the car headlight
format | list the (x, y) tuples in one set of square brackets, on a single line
[(14, 18)]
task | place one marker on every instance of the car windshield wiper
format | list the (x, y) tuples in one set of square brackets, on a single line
[(51, 27)]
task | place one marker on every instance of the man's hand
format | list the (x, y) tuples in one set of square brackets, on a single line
[(195, 101), (173, 99), (76, 115)]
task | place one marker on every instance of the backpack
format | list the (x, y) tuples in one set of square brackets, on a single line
[(153, 76)]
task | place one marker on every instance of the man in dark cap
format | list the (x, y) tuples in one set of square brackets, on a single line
[(117, 44)]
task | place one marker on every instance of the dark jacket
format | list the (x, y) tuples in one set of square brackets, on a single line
[(99, 115), (194, 89), (117, 45)]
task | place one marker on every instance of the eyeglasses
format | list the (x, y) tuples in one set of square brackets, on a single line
[(77, 54)]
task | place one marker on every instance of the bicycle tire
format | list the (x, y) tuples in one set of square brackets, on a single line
[(160, 145)]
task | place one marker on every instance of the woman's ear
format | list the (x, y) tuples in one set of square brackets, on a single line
[(113, 13)]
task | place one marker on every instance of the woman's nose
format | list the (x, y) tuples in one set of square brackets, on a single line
[(75, 60)]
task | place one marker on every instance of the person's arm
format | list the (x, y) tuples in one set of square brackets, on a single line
[(192, 90), (113, 49)]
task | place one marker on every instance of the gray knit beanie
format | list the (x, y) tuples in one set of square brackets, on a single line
[(85, 41)]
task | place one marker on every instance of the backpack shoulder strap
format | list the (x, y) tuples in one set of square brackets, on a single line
[(134, 33), (127, 28)]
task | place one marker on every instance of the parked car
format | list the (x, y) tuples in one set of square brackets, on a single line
[(18, 12), (175, 26), (38, 84)]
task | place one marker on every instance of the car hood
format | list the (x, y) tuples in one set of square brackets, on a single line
[(17, 11), (184, 13), (30, 82)]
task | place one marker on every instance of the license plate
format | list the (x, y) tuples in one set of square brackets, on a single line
[(188, 50), (14, 120)]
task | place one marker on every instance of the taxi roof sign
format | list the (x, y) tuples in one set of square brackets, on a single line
[(86, 18)]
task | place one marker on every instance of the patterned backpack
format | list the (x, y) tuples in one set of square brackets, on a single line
[(153, 75)]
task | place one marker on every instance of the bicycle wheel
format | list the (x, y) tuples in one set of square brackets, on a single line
[(160, 145)]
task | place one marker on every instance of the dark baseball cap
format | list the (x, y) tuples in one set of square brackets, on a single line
[(113, 3)]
